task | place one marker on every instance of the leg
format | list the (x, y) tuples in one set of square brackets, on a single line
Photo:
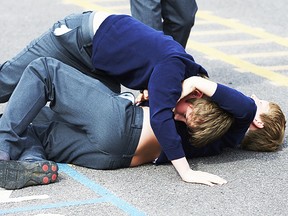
[(46, 79), (32, 148), (73, 48), (79, 100), (148, 12), (66, 143), (28, 165), (179, 17)]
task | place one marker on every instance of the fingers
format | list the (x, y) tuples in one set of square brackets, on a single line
[(214, 179), (139, 98), (205, 178), (142, 97), (210, 179), (145, 95)]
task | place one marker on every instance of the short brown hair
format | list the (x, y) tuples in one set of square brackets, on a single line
[(207, 122), (271, 136)]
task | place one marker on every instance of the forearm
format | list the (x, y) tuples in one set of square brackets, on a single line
[(181, 165), (239, 105), (193, 83)]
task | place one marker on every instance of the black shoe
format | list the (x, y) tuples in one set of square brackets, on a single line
[(19, 174)]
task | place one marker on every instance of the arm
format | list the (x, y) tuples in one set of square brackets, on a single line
[(192, 176), (164, 91), (243, 110), (241, 107), (208, 88), (191, 84)]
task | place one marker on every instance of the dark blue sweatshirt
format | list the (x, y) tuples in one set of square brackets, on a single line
[(140, 57), (241, 107)]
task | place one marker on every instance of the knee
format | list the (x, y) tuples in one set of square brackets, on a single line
[(40, 67), (43, 63), (39, 61)]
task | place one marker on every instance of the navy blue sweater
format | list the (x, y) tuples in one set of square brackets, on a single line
[(241, 107), (140, 57)]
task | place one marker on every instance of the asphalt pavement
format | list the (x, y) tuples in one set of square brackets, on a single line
[(243, 44)]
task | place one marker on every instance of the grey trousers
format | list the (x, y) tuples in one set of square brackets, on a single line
[(173, 17), (73, 48), (88, 124)]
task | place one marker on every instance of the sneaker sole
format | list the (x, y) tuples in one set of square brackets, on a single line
[(19, 174)]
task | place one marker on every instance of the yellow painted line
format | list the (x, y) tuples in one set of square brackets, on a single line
[(277, 68), (237, 42), (246, 66), (112, 1), (203, 22), (119, 8), (88, 5), (215, 32), (243, 28), (109, 1), (263, 54), (100, 6)]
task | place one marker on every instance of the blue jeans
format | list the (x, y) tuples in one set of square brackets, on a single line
[(178, 16), (90, 125), (74, 48)]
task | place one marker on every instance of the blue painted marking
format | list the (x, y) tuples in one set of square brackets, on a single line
[(100, 190), (107, 196)]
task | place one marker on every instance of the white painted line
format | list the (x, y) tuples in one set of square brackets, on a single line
[(5, 197)]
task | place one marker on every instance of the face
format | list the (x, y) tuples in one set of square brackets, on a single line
[(262, 106), (182, 110), (181, 107)]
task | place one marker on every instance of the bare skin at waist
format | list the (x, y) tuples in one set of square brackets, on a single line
[(148, 148)]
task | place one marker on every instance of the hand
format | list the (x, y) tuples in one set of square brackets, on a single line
[(200, 177), (188, 87), (142, 97), (193, 83)]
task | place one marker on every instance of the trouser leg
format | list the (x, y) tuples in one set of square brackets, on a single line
[(67, 143), (74, 48), (31, 149), (79, 99), (179, 18), (148, 12)]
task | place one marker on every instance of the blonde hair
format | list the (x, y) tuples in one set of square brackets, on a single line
[(271, 136), (207, 122)]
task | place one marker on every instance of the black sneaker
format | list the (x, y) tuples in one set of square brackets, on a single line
[(19, 174)]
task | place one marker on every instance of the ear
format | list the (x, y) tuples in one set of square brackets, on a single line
[(196, 94), (179, 117), (258, 123)]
